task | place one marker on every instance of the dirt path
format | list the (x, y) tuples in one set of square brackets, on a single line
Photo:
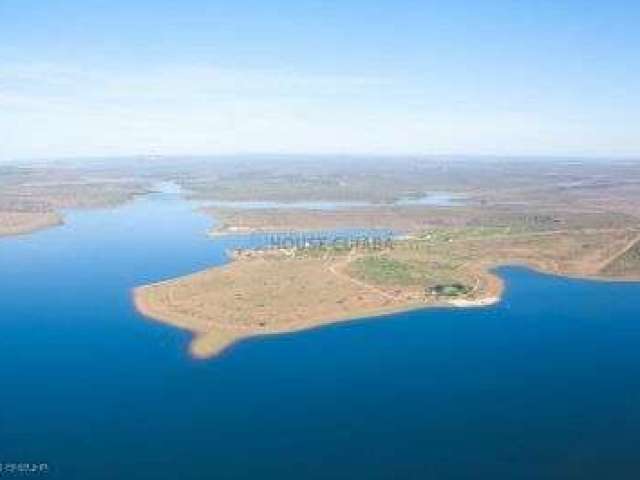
[(619, 253), (355, 281)]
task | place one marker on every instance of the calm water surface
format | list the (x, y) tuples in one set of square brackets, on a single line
[(439, 199), (545, 384)]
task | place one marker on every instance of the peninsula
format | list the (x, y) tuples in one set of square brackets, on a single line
[(284, 290), (32, 197), (568, 217)]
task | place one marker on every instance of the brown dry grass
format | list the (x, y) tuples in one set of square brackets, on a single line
[(262, 295), (27, 205), (273, 292), (15, 223)]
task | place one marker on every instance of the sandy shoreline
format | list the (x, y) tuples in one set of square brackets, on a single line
[(23, 223), (207, 344), (210, 338), (215, 341), (281, 291)]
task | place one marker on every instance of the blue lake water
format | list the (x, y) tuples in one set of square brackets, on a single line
[(545, 384), (438, 199)]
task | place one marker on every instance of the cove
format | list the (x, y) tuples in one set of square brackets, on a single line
[(545, 384)]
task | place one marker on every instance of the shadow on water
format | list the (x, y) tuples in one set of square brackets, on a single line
[(545, 384)]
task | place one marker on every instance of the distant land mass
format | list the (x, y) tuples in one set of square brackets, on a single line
[(577, 217)]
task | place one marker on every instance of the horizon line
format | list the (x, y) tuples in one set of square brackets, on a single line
[(230, 155)]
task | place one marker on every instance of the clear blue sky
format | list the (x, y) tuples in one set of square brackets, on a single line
[(490, 77)]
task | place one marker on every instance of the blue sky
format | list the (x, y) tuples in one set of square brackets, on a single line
[(117, 77)]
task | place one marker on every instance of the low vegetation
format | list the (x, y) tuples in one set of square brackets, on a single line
[(273, 291), (627, 264), (31, 198), (450, 290), (383, 270)]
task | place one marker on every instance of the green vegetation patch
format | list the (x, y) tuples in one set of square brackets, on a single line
[(627, 264), (450, 290), (386, 271), (443, 235)]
